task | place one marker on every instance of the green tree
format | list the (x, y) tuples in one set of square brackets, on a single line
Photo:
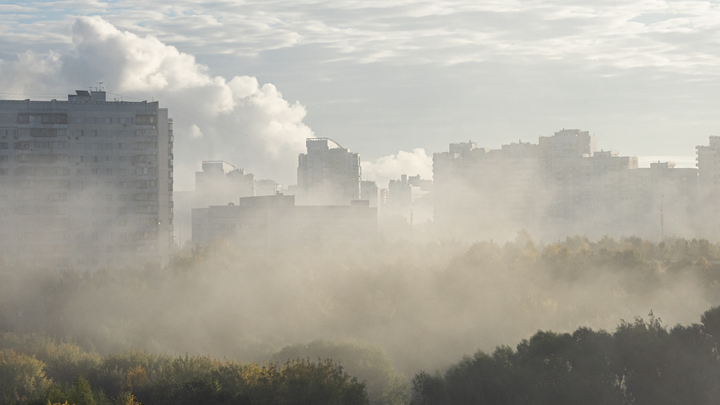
[(368, 363), (81, 393), (22, 377)]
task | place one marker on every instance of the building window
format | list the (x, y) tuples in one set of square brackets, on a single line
[(145, 119)]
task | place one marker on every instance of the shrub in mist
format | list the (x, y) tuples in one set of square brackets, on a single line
[(141, 377), (368, 363), (22, 377)]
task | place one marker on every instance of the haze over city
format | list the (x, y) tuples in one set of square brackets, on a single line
[(387, 203), (394, 81)]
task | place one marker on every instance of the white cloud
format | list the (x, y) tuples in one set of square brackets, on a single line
[(393, 166), (195, 131), (401, 32), (249, 125), (609, 33)]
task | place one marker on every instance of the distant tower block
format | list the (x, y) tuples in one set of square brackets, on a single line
[(86, 183), (328, 174)]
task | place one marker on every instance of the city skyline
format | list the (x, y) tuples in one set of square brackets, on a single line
[(253, 81)]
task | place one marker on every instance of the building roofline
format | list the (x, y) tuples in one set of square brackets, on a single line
[(324, 139)]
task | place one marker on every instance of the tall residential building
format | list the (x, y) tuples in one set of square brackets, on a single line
[(708, 164), (85, 183), (561, 186), (328, 174), (220, 182), (370, 192), (482, 192)]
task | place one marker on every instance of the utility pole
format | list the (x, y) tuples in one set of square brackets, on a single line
[(662, 218)]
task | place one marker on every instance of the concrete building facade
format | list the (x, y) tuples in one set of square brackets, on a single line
[(328, 174), (220, 182), (86, 183), (561, 186), (276, 223)]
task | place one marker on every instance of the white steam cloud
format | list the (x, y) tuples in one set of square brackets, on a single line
[(237, 120), (195, 131)]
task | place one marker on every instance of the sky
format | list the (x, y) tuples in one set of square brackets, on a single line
[(394, 80)]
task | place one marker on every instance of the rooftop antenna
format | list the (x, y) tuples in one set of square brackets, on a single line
[(100, 86)]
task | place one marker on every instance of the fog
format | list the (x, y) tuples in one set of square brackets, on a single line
[(425, 305), (278, 253)]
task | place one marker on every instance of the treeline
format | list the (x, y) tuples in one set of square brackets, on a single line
[(642, 362), (40, 371), (423, 304)]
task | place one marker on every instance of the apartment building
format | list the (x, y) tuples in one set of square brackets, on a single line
[(220, 182), (328, 174), (708, 164), (480, 192), (276, 223), (561, 186), (85, 183)]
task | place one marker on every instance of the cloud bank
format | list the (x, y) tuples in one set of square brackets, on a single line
[(680, 36), (238, 120)]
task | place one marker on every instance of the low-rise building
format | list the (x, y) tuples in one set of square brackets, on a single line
[(275, 222)]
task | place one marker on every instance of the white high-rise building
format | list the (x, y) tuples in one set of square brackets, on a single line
[(85, 183), (328, 174)]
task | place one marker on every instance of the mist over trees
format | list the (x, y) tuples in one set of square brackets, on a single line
[(423, 304), (382, 312), (36, 370)]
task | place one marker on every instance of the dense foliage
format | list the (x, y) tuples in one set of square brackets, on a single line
[(35, 370), (367, 363), (641, 363)]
